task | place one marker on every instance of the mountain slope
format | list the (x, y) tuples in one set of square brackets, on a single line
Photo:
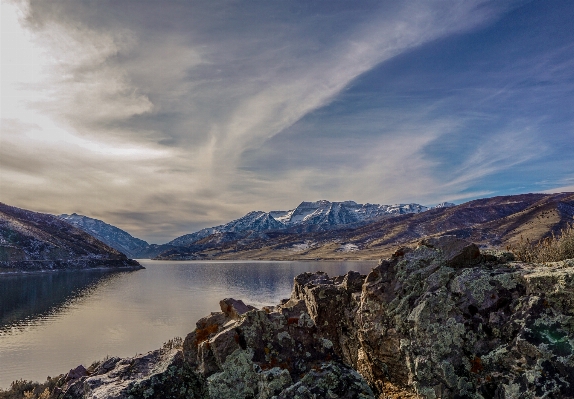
[(111, 235), (495, 222), (307, 216), (115, 237), (31, 240)]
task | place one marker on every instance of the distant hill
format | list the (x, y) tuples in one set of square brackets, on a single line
[(34, 241), (115, 237), (491, 222)]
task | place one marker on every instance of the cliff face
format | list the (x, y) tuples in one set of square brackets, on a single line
[(438, 321), (34, 241)]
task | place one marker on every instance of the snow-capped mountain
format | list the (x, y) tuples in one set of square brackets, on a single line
[(254, 221), (316, 216), (111, 235), (328, 213)]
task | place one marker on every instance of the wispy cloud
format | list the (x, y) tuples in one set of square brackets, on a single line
[(165, 118)]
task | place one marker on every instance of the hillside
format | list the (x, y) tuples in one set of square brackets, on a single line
[(115, 237), (34, 241), (491, 222)]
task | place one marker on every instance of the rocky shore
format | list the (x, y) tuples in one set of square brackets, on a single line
[(10, 267), (442, 320)]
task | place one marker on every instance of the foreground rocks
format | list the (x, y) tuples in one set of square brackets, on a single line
[(438, 321)]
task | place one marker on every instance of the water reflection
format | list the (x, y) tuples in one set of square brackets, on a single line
[(27, 298), (56, 321)]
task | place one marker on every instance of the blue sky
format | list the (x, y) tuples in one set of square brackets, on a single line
[(166, 117)]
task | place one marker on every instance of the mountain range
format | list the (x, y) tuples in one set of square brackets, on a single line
[(312, 230), (308, 216), (491, 222)]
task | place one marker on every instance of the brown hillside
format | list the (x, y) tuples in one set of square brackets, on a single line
[(491, 222)]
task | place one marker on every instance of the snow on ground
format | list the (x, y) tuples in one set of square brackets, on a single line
[(303, 246), (348, 248)]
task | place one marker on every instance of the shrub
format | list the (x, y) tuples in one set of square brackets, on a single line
[(175, 343), (550, 249), (22, 389)]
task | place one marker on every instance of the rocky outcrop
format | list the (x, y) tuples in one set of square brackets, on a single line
[(158, 374), (439, 321)]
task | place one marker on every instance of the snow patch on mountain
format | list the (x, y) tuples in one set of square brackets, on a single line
[(443, 205), (348, 248), (303, 246), (317, 215)]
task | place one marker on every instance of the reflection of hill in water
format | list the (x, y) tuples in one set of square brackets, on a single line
[(31, 296)]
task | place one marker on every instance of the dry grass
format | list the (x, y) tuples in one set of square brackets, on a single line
[(550, 249)]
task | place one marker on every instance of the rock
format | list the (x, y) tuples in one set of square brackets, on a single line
[(353, 282), (234, 308), (456, 251), (157, 374), (76, 373), (331, 380), (267, 353)]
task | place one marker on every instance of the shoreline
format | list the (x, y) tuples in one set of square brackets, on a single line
[(28, 272)]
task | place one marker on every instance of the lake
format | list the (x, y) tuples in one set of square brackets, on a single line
[(52, 322)]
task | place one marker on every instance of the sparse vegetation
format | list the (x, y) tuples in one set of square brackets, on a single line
[(550, 249), (174, 343), (30, 390)]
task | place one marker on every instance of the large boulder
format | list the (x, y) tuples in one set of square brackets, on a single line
[(245, 352), (455, 251)]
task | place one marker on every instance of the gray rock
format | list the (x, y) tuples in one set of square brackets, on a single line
[(76, 373), (331, 380), (456, 251), (234, 308), (157, 374), (424, 323)]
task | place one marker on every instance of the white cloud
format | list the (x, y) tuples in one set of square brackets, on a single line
[(154, 116)]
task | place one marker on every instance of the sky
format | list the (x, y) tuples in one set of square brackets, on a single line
[(164, 117)]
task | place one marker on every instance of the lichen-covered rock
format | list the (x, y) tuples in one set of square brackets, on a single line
[(234, 308), (275, 352), (455, 251), (158, 374), (331, 380), (435, 321)]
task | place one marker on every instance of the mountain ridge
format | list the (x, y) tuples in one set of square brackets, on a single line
[(36, 241), (115, 237), (307, 216), (491, 222)]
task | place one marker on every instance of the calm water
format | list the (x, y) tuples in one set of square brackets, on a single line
[(52, 322)]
